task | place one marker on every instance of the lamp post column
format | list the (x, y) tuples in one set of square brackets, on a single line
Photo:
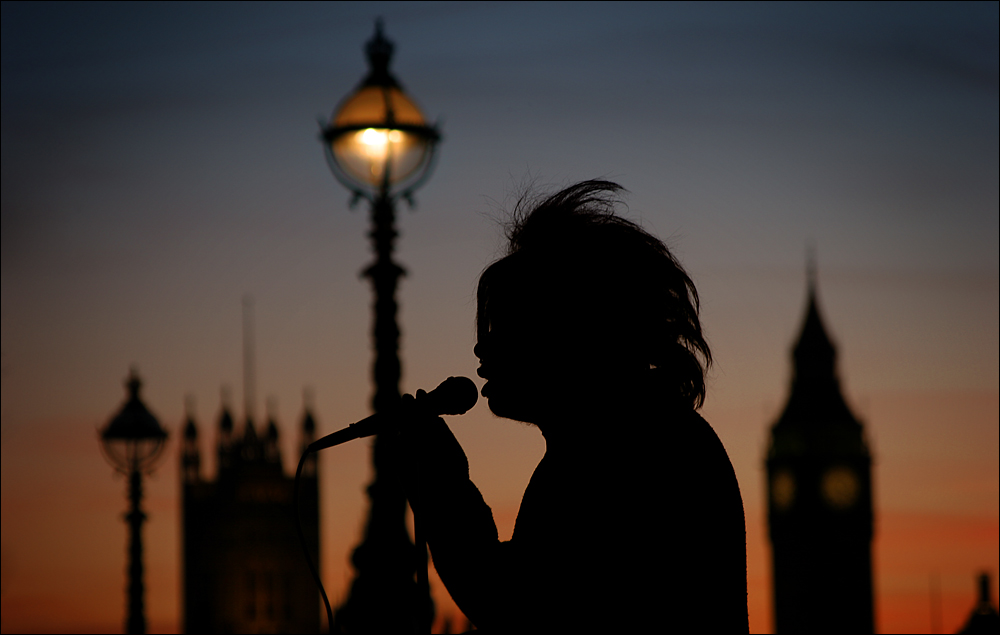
[(384, 561), (136, 622), (384, 275)]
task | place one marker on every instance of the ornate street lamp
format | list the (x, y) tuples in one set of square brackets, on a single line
[(132, 442), (380, 147), (377, 142)]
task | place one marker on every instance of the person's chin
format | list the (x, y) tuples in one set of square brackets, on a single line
[(496, 400), (508, 406)]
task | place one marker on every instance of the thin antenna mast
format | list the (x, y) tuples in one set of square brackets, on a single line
[(249, 361)]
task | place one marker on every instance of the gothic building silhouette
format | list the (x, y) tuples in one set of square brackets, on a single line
[(244, 571), (820, 496)]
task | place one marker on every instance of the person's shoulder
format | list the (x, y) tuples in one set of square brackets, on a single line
[(679, 427), (707, 443), (703, 432), (687, 448)]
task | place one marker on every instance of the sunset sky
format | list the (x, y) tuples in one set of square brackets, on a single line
[(159, 161)]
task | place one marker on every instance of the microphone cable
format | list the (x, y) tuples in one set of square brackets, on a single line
[(302, 540), (454, 396)]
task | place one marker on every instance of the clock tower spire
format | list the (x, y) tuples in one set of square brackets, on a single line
[(819, 495)]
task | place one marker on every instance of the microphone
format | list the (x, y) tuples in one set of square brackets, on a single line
[(454, 396)]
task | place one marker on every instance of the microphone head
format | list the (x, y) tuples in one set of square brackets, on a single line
[(454, 396)]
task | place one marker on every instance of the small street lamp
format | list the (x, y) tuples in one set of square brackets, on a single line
[(132, 442), (380, 147)]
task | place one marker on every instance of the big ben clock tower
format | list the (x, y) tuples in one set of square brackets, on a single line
[(819, 497)]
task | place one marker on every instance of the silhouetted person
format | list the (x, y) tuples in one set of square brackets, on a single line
[(588, 329)]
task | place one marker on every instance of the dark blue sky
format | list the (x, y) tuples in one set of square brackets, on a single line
[(761, 100)]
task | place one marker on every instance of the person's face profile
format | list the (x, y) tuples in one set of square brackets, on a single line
[(527, 352)]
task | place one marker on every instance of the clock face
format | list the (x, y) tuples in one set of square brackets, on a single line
[(840, 487), (783, 489)]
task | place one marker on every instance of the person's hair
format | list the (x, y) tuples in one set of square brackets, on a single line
[(612, 283)]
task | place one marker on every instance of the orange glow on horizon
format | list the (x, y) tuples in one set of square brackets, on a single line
[(79, 582)]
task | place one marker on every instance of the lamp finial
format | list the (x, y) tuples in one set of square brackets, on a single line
[(379, 51), (133, 383)]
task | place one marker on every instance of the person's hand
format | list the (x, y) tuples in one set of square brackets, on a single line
[(432, 457)]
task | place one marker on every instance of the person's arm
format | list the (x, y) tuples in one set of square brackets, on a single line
[(474, 565)]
